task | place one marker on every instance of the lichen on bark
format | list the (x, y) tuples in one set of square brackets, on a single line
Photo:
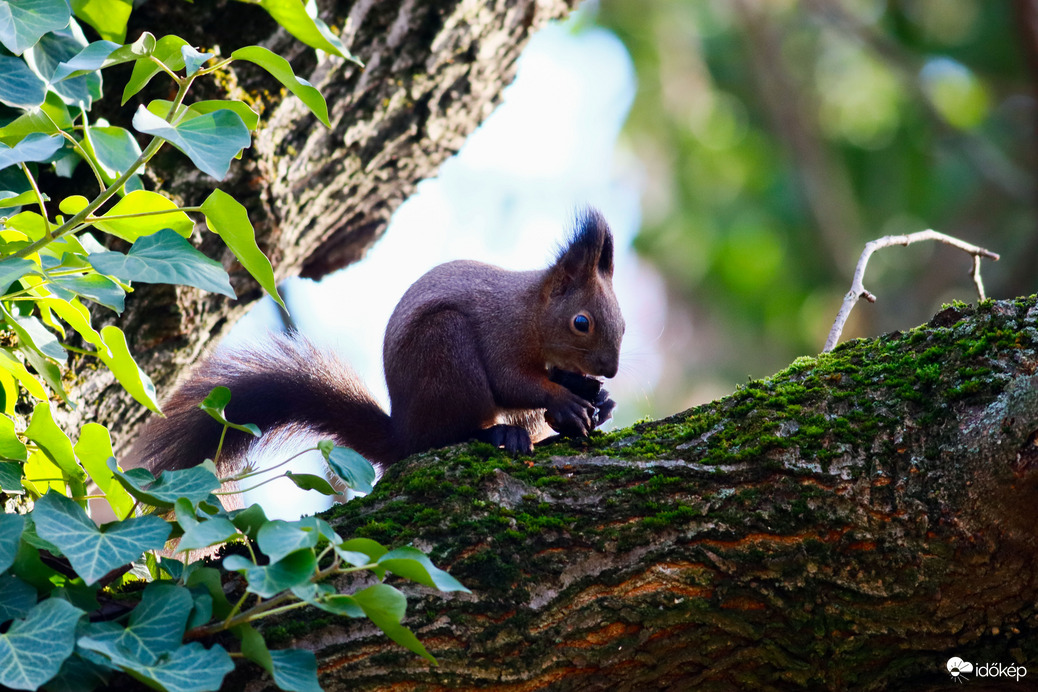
[(852, 521)]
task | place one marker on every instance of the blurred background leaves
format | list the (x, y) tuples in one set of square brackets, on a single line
[(777, 137)]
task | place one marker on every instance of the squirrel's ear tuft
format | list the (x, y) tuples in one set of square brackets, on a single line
[(589, 251)]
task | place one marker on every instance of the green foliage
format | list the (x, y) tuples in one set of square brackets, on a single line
[(778, 138), (60, 572)]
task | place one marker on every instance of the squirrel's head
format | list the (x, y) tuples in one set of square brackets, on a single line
[(582, 326)]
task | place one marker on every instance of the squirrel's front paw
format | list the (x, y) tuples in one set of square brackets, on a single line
[(588, 388), (571, 415), (603, 408)]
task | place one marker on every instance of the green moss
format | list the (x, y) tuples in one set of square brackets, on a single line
[(966, 389), (821, 409), (487, 570)]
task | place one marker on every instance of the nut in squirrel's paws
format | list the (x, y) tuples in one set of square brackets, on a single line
[(587, 388)]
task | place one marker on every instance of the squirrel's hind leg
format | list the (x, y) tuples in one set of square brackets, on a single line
[(513, 438), (439, 391)]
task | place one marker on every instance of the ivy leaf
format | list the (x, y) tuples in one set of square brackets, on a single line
[(14, 366), (164, 258), (20, 87), (78, 317), (8, 393), (211, 140), (215, 403), (156, 625), (16, 598), (191, 668), (94, 449), (115, 150), (79, 674), (12, 269), (10, 446), (309, 481), (24, 22), (35, 147), (125, 368), (229, 220), (209, 578), (33, 649), (10, 199), (97, 288), (244, 111), (194, 59), (11, 528), (30, 223), (53, 441), (269, 580), (89, 59), (307, 27), (33, 334), (108, 17), (279, 538), (201, 606), (52, 50), (295, 670), (93, 551), (355, 471), (51, 117), (11, 475), (327, 599), (201, 534), (30, 568), (253, 646), (250, 520), (42, 473), (161, 108), (413, 564), (86, 62), (73, 204), (360, 551), (101, 54), (46, 369), (279, 68), (195, 484), (166, 51), (323, 528), (144, 202), (385, 606)]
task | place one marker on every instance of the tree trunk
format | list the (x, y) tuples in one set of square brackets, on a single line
[(851, 523), (317, 197)]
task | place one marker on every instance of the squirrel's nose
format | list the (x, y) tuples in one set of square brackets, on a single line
[(608, 367)]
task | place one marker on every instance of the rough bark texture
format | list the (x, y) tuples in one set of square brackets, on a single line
[(318, 197), (850, 523)]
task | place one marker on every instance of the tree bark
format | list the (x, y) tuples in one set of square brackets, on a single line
[(850, 523), (318, 197)]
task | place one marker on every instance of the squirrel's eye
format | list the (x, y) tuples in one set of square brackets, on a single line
[(581, 323)]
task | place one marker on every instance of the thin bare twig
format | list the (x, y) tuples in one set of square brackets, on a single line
[(858, 288)]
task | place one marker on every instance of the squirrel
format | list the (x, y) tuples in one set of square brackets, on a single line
[(470, 351)]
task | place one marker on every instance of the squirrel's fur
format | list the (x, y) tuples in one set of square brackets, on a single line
[(471, 350)]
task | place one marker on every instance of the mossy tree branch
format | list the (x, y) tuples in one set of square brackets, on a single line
[(852, 522)]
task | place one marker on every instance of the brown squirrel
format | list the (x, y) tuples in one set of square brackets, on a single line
[(471, 351)]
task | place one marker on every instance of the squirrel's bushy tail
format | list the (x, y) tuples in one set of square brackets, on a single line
[(285, 383)]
